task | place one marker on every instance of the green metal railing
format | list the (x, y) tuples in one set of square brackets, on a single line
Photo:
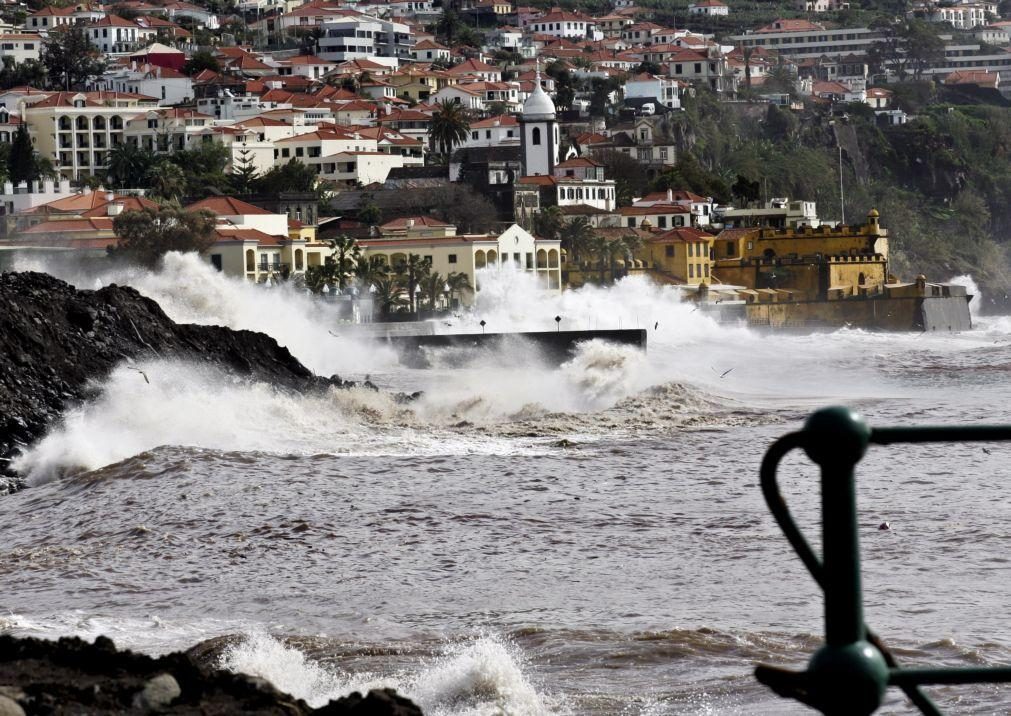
[(850, 673)]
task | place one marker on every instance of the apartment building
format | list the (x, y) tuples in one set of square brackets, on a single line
[(165, 84), (114, 35), (362, 37), (76, 129), (797, 39)]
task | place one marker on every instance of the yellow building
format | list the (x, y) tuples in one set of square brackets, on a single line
[(680, 256), (823, 263)]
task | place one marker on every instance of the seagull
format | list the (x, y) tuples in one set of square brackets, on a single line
[(987, 451), (884, 526), (333, 334), (724, 373), (133, 367), (656, 325)]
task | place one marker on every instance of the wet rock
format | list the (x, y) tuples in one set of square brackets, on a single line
[(10, 707), (56, 342), (378, 702), (158, 693), (71, 676)]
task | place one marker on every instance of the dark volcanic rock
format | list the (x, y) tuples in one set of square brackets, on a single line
[(71, 676), (55, 340)]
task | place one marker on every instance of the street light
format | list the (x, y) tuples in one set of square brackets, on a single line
[(482, 326), (558, 324)]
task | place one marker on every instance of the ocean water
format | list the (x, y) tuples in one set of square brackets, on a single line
[(526, 538)]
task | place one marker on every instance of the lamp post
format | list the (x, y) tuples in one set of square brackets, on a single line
[(482, 326), (558, 324)]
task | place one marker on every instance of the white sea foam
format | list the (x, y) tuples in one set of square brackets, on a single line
[(190, 290), (143, 406), (479, 677)]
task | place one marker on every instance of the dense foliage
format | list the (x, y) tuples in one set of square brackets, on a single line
[(940, 181)]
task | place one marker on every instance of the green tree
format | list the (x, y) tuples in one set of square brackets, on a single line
[(200, 61), (70, 59), (293, 176), (21, 158), (244, 172), (204, 167), (907, 48), (432, 287), (604, 249), (167, 181), (449, 126), (146, 235), (31, 73), (548, 223), (411, 273), (130, 166), (344, 256), (370, 269), (576, 237), (459, 286), (388, 295)]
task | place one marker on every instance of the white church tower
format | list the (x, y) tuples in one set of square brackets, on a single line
[(540, 132)]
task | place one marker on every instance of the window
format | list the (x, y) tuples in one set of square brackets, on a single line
[(530, 260), (631, 222), (706, 267), (299, 152), (473, 135), (452, 258), (751, 245), (662, 222), (691, 269), (285, 152), (536, 136), (698, 68), (691, 249), (678, 69), (487, 134), (663, 154), (669, 250), (730, 248), (216, 261)]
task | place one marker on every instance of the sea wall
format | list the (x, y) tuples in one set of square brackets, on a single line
[(555, 346)]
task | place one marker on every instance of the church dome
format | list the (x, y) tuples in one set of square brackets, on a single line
[(538, 105)]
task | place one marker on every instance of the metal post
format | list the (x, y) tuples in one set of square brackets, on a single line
[(842, 201), (836, 439)]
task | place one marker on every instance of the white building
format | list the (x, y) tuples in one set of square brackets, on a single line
[(647, 86), (710, 8), (113, 35), (363, 37), (562, 23), (503, 131), (15, 48), (168, 86)]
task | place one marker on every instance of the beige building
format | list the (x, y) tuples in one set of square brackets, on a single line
[(451, 253), (76, 129)]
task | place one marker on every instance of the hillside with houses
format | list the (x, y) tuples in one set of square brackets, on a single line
[(581, 143)]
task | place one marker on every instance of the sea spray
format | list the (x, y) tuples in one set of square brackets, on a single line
[(478, 677), (190, 290)]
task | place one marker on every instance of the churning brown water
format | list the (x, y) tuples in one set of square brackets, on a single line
[(525, 538)]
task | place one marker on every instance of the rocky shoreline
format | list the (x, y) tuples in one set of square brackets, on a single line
[(56, 341), (56, 344), (71, 676)]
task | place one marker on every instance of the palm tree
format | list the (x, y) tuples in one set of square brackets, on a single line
[(576, 237), (344, 256), (370, 269), (449, 126), (605, 249), (168, 181), (129, 165), (389, 295), (412, 272), (432, 287), (548, 223), (459, 283)]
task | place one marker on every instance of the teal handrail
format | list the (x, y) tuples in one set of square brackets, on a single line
[(851, 672)]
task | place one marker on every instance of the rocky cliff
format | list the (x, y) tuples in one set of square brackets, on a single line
[(55, 341), (71, 676)]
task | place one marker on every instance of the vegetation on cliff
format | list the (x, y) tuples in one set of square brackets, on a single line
[(941, 181)]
